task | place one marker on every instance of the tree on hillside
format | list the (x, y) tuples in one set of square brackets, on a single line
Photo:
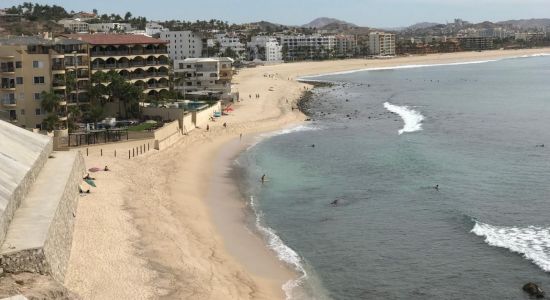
[(127, 16)]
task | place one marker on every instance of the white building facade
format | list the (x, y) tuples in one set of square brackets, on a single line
[(227, 41), (183, 44), (152, 28), (265, 48), (382, 44), (110, 27), (209, 76)]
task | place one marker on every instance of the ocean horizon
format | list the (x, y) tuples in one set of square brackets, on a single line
[(411, 182)]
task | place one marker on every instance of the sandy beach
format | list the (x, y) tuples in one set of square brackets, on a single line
[(173, 225)]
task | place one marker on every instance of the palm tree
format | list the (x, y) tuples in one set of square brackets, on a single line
[(50, 102), (50, 123)]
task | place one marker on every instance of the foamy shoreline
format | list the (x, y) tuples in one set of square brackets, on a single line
[(148, 230)]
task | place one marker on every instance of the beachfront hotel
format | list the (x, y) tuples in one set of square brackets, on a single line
[(30, 66), (141, 60), (202, 77), (381, 44), (307, 46), (265, 48)]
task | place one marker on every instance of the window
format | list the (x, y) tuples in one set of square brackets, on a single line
[(39, 80), (38, 126), (36, 64), (181, 65), (22, 112), (19, 80), (18, 65), (37, 96), (37, 111)]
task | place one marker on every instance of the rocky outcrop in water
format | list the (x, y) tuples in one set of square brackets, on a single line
[(533, 290)]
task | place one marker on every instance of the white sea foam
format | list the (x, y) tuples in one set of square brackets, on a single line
[(532, 242), (299, 128), (284, 253), (412, 118)]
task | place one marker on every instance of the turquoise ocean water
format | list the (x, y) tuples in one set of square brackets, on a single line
[(383, 139)]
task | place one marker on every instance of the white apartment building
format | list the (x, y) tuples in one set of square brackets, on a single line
[(204, 76), (307, 46), (227, 41), (183, 44), (382, 44), (346, 46), (74, 25), (110, 27), (152, 28), (265, 48)]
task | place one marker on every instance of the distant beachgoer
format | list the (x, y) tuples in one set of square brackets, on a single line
[(207, 127), (263, 179), (241, 136), (436, 187), (334, 203), (250, 96), (88, 177), (83, 191), (312, 145), (106, 169), (224, 125)]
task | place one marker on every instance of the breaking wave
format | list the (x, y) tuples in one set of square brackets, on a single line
[(284, 252), (532, 242), (412, 118)]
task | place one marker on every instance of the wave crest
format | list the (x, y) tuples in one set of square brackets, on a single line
[(532, 242), (412, 118), (284, 252)]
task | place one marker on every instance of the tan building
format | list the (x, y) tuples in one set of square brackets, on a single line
[(381, 44), (204, 76), (30, 66), (141, 60)]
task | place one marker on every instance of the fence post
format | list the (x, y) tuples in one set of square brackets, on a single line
[(101, 150), (133, 153), (128, 153), (86, 151), (115, 152)]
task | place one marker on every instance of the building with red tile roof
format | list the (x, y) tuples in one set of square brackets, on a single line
[(141, 60)]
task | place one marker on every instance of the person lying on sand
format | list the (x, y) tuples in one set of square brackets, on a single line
[(88, 177)]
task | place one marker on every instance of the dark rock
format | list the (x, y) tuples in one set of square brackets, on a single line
[(533, 290)]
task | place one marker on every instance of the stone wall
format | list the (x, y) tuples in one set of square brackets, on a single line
[(53, 257), (57, 248)]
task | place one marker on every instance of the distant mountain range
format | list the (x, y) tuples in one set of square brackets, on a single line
[(527, 23), (323, 22)]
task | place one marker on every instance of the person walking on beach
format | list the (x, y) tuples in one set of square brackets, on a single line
[(207, 127), (263, 178), (224, 125)]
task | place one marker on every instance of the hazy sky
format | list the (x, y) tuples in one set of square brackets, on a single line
[(374, 13)]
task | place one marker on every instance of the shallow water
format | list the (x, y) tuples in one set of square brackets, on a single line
[(382, 140)]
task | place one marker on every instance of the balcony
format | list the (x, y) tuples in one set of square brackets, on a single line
[(8, 86), (128, 52), (9, 102), (7, 70)]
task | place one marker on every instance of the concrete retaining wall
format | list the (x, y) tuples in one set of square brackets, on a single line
[(200, 118), (188, 124), (167, 135), (22, 156), (57, 248)]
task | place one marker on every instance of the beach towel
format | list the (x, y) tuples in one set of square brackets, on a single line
[(95, 169), (90, 182)]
